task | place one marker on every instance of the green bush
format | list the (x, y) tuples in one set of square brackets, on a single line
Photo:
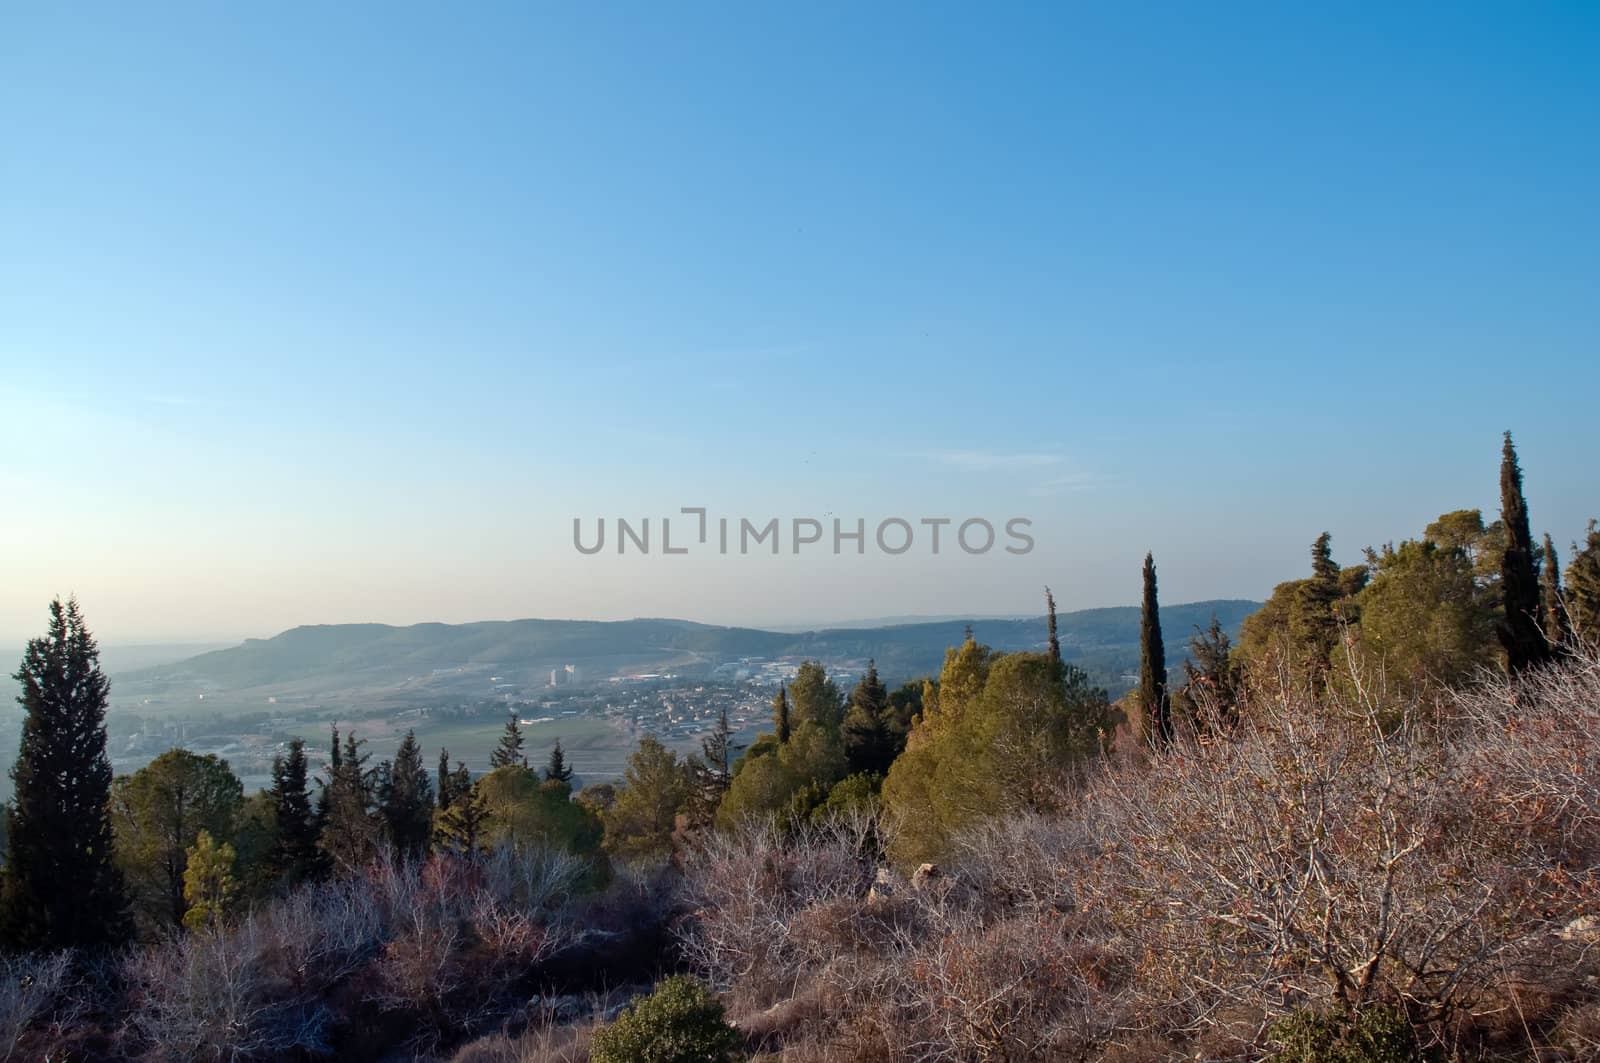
[(681, 1022), (1377, 1034)]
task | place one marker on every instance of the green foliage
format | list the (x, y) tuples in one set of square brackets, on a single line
[(350, 830), (1212, 677), (815, 698), (1422, 619), (1520, 632), (1155, 704), (766, 786), (405, 799), (781, 720), (209, 886), (1006, 734), (640, 823), (1552, 606), (295, 856), (462, 826), (521, 809), (1377, 1034), (557, 769), (870, 741), (1297, 630), (681, 1022), (158, 813), (1583, 588), (509, 751), (60, 887)]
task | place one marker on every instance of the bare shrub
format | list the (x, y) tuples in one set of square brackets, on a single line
[(36, 989)]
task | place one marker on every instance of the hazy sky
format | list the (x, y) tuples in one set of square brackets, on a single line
[(315, 313)]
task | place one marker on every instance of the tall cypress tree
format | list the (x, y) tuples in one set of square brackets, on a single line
[(1552, 604), (509, 751), (557, 770), (780, 713), (1050, 613), (59, 888), (405, 799), (1524, 642), (447, 780), (1314, 624), (294, 856), (1154, 701)]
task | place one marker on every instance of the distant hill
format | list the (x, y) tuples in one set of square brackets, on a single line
[(376, 663)]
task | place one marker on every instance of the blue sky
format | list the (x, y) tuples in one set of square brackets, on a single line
[(313, 315)]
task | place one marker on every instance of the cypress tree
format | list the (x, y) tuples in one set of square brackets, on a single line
[(557, 770), (405, 799), (1524, 642), (325, 786), (1552, 606), (59, 888), (780, 713), (1154, 700), (1050, 613), (509, 751), (447, 782), (1583, 589), (718, 749), (461, 826), (294, 856), (868, 745)]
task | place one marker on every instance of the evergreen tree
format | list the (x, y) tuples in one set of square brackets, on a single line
[(1154, 700), (557, 769), (60, 888), (1583, 589), (447, 780), (1314, 621), (780, 714), (1050, 613), (294, 857), (1552, 607), (509, 751), (717, 748), (868, 745), (209, 885), (1211, 676), (349, 833), (461, 827), (405, 799), (816, 698), (156, 814), (325, 786), (1524, 642)]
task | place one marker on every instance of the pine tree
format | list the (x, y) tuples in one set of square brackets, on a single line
[(209, 885), (1211, 676), (1552, 606), (59, 888), (868, 744), (780, 714), (1314, 622), (405, 799), (349, 832), (1583, 589), (461, 827), (509, 751), (325, 786), (1524, 642), (295, 857), (1154, 700), (447, 781), (1050, 612), (557, 769)]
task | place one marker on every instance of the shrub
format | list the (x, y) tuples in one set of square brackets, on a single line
[(1379, 1034), (681, 1022)]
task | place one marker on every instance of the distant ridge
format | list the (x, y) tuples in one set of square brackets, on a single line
[(378, 663)]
